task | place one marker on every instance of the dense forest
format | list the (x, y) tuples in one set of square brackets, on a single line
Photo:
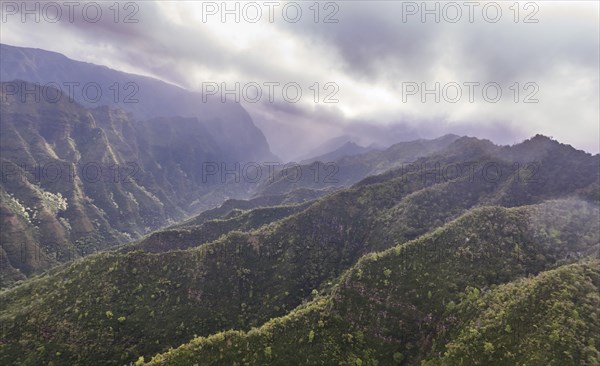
[(402, 268)]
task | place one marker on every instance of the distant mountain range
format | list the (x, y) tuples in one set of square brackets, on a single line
[(345, 170), (326, 148), (347, 149)]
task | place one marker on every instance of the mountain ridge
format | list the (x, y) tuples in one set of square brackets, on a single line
[(144, 96), (244, 278), (78, 180)]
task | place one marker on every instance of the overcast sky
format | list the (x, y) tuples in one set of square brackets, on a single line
[(371, 60)]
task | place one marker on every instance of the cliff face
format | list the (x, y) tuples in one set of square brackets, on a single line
[(77, 180), (229, 125)]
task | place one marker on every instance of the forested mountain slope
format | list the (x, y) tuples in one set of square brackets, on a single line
[(437, 299), (94, 310), (77, 180)]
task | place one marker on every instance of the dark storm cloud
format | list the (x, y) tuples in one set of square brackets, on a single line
[(370, 36), (153, 42), (374, 38)]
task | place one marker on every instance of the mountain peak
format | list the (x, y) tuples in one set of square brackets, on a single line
[(472, 144), (541, 139), (540, 143)]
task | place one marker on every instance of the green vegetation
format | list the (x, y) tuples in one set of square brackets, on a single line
[(183, 237), (385, 316), (563, 331), (388, 271), (551, 319), (78, 180)]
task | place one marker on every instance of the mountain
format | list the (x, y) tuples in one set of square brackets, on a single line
[(186, 234), (94, 157), (460, 293), (232, 215), (77, 180), (347, 149), (550, 319), (231, 205), (347, 170), (195, 235), (326, 147), (146, 98), (368, 273)]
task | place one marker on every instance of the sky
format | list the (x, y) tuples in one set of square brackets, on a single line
[(376, 71)]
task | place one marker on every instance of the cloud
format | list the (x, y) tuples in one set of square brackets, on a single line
[(373, 49)]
